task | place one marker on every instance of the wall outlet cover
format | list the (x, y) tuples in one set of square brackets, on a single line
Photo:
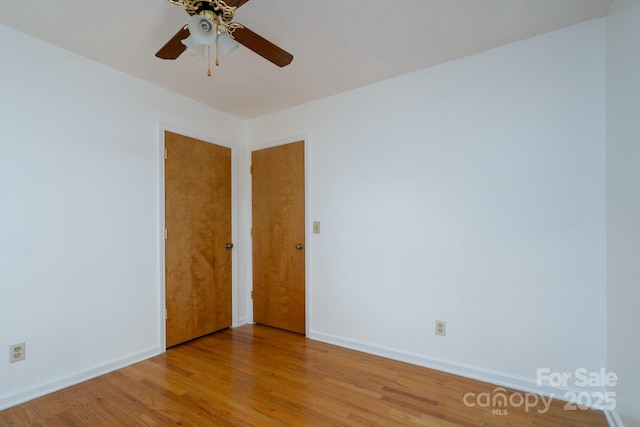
[(16, 352)]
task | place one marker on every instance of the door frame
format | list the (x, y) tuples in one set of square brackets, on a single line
[(308, 224), (162, 302)]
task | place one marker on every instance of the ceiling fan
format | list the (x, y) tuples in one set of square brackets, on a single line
[(211, 23)]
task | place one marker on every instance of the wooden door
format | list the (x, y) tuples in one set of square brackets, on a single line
[(198, 222), (278, 237)]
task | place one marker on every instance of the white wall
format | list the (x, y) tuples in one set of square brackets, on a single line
[(472, 192), (623, 205), (80, 197)]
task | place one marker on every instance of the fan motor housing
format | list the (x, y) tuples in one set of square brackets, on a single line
[(215, 8)]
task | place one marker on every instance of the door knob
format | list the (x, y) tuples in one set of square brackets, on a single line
[(229, 246), (299, 246)]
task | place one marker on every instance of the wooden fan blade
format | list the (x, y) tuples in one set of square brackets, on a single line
[(262, 47), (174, 47), (235, 3)]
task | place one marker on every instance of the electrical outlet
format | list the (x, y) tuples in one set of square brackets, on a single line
[(441, 327), (16, 352)]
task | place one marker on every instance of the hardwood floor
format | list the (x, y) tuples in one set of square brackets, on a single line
[(259, 376)]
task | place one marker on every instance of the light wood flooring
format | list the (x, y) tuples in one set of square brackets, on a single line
[(259, 376)]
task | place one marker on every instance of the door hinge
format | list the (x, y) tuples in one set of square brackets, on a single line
[(251, 169), (166, 314), (166, 233), (165, 154), (251, 232), (251, 294)]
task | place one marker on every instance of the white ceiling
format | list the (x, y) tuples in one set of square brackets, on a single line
[(337, 45)]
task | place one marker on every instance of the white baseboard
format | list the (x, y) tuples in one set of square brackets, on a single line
[(502, 379), (28, 393), (613, 418)]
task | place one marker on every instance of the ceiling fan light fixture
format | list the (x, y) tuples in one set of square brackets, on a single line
[(226, 45), (202, 30), (194, 47)]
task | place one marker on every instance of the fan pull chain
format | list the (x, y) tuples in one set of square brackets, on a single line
[(217, 60), (209, 71), (217, 49)]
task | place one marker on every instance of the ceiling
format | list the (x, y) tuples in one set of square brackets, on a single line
[(337, 45)]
